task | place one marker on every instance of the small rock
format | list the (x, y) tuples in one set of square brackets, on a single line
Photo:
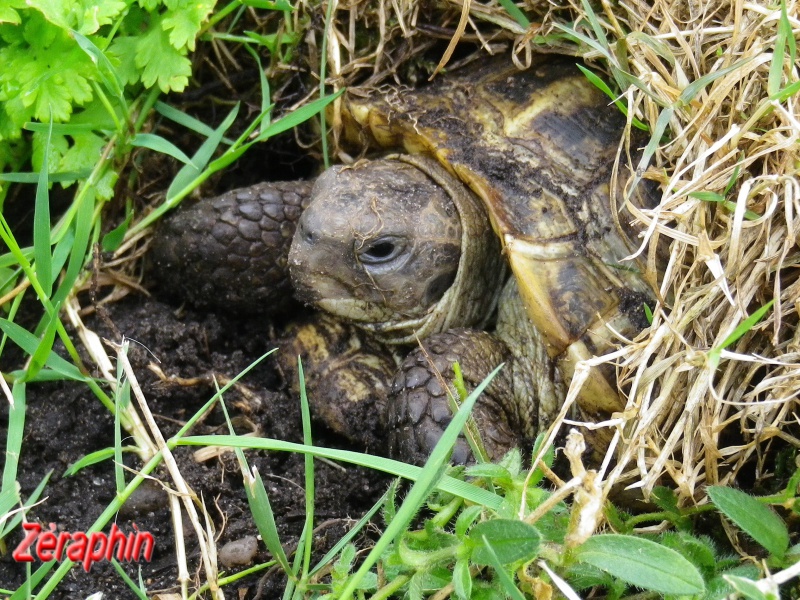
[(147, 498), (238, 552)]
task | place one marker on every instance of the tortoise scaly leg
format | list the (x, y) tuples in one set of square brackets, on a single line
[(347, 376), (418, 409), (520, 402)]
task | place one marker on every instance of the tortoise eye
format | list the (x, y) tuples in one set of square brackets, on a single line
[(379, 251)]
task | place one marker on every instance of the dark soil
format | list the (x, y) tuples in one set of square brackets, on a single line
[(66, 422)]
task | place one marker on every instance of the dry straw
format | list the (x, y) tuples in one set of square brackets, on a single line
[(711, 386)]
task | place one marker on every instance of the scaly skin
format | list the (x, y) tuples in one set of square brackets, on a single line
[(231, 252)]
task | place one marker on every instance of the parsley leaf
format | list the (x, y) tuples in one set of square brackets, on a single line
[(160, 61), (185, 21)]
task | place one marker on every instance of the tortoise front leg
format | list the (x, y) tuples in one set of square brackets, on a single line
[(231, 251), (347, 376), (418, 409)]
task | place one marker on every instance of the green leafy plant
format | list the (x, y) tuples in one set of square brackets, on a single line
[(84, 63), (466, 549), (80, 83)]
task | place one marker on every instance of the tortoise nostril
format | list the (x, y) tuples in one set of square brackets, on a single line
[(306, 233)]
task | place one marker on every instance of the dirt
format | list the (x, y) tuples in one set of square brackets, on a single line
[(65, 422)]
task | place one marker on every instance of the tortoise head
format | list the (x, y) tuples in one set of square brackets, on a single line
[(381, 244)]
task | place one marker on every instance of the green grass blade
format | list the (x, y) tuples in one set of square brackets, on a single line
[(93, 458), (60, 254), (14, 522), (281, 5), (216, 397), (59, 177), (295, 118), (29, 343), (602, 86), (323, 70), (33, 581), (264, 517), (787, 92), (137, 591), (305, 413), (44, 349), (122, 400), (691, 90), (238, 148), (512, 591), (80, 245), (114, 238), (266, 94), (41, 225), (191, 175), (720, 199), (597, 28), (657, 46), (15, 433), (784, 41), (734, 176), (451, 485), (648, 313), (61, 128), (515, 13), (652, 145), (747, 325), (9, 500), (354, 531), (260, 506), (190, 172), (12, 260), (187, 121), (288, 122), (580, 37), (162, 145)]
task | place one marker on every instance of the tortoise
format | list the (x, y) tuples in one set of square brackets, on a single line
[(486, 171)]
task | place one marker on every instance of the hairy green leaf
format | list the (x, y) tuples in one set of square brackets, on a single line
[(462, 580), (754, 518), (642, 563), (511, 540)]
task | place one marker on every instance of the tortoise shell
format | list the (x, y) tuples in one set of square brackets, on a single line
[(538, 148)]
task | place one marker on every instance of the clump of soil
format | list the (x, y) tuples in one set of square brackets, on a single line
[(65, 422)]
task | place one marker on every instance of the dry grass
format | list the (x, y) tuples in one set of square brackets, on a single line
[(702, 405), (716, 82)]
